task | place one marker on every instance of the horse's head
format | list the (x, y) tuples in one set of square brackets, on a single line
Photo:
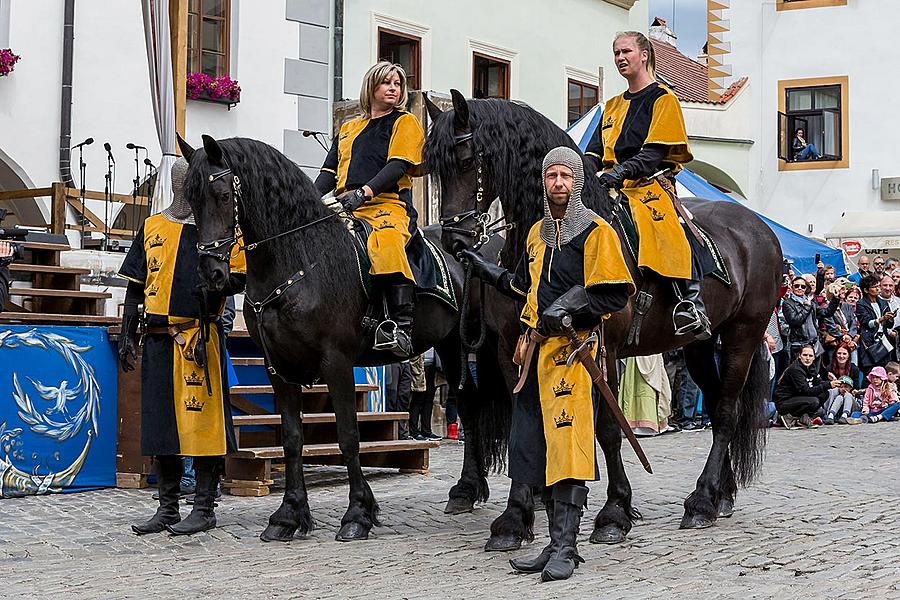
[(213, 192), (466, 192)]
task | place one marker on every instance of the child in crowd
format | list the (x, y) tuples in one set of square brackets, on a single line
[(880, 400), (840, 402)]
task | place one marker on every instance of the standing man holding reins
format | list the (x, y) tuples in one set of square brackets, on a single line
[(185, 410), (642, 133), (369, 168), (572, 267)]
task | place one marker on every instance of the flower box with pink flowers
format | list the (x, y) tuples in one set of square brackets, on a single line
[(8, 61), (221, 90)]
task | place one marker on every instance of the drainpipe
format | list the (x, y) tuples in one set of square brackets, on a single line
[(338, 47), (65, 115)]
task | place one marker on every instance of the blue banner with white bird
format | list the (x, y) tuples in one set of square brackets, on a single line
[(58, 397)]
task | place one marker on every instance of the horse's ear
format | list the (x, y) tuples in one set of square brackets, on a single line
[(461, 110), (186, 151), (213, 150), (433, 111)]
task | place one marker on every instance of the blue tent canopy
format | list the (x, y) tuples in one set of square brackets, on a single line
[(794, 246)]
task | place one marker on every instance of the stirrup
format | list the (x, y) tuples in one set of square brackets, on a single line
[(390, 338), (699, 321)]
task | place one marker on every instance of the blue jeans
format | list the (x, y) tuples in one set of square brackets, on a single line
[(808, 153), (887, 414), (189, 478)]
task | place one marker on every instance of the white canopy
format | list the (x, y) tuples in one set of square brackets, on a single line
[(868, 224)]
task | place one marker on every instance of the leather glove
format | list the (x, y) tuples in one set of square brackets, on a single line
[(614, 179), (484, 270), (128, 341), (571, 304), (353, 199)]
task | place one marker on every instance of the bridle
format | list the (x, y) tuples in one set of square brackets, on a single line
[(484, 228)]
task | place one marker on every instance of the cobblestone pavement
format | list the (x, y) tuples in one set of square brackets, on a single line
[(821, 523)]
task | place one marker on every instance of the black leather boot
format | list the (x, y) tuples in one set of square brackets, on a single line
[(168, 480), (203, 515), (689, 314), (394, 334), (537, 564), (568, 506)]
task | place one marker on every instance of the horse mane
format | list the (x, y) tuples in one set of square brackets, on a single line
[(277, 196), (514, 138)]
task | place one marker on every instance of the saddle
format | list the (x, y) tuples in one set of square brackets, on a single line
[(427, 262)]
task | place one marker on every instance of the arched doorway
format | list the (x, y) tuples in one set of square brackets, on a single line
[(26, 210)]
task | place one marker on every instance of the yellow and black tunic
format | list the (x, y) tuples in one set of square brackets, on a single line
[(363, 148), (552, 436), (649, 119), (178, 415)]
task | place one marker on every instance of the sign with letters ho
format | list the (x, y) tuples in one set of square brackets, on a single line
[(890, 188)]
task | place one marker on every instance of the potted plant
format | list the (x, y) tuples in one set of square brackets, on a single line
[(8, 62), (222, 89)]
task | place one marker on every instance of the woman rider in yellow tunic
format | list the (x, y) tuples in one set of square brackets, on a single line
[(369, 167), (642, 133)]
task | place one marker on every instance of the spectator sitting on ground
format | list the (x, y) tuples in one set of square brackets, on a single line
[(841, 366), (802, 316), (840, 402), (802, 149), (801, 392), (880, 400), (875, 318)]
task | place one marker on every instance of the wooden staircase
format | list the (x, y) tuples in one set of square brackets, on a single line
[(55, 296), (260, 455)]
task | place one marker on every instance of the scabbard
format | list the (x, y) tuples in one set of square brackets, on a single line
[(680, 209), (585, 358)]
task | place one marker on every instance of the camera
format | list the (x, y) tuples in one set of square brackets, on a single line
[(11, 234), (787, 265)]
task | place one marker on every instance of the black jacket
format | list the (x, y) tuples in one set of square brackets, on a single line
[(798, 380), (4, 286), (804, 319), (866, 314)]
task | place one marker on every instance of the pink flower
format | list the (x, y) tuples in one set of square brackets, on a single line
[(215, 88), (8, 61)]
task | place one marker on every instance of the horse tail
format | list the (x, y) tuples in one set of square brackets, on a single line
[(749, 440)]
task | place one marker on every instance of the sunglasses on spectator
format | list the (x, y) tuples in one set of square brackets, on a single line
[(799, 286)]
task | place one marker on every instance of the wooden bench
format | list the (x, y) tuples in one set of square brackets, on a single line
[(41, 318), (62, 302), (315, 398), (319, 428)]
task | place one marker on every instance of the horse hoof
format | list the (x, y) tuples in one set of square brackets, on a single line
[(350, 532), (726, 508), (608, 534), (459, 506), (695, 522), (503, 543), (278, 533)]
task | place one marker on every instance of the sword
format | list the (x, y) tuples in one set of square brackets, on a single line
[(583, 353)]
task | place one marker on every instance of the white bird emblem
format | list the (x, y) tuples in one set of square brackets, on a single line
[(59, 395)]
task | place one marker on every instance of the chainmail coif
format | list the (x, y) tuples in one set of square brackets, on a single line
[(578, 217), (179, 211)]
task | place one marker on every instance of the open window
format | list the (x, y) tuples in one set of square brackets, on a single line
[(405, 50), (813, 123), (208, 37)]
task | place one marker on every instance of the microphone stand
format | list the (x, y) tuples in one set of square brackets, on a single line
[(82, 168), (107, 195), (134, 193)]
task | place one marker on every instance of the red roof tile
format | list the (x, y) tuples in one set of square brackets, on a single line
[(687, 77)]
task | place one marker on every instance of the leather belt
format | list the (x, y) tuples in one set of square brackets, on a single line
[(174, 331), (534, 340)]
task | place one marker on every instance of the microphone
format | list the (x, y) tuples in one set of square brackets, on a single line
[(131, 146), (149, 163), (307, 133), (108, 149), (86, 142)]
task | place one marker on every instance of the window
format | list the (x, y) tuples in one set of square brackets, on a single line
[(813, 128), (404, 50), (797, 4), (490, 77), (208, 36), (582, 98)]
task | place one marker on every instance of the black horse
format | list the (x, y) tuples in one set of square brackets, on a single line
[(308, 303), (483, 149)]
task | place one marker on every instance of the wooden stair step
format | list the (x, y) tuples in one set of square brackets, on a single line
[(46, 293), (27, 268), (248, 362), (248, 420), (13, 317), (333, 449), (46, 246), (316, 389)]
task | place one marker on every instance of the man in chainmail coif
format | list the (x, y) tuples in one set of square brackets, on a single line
[(572, 267)]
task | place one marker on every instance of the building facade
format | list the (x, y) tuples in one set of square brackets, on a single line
[(277, 50)]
